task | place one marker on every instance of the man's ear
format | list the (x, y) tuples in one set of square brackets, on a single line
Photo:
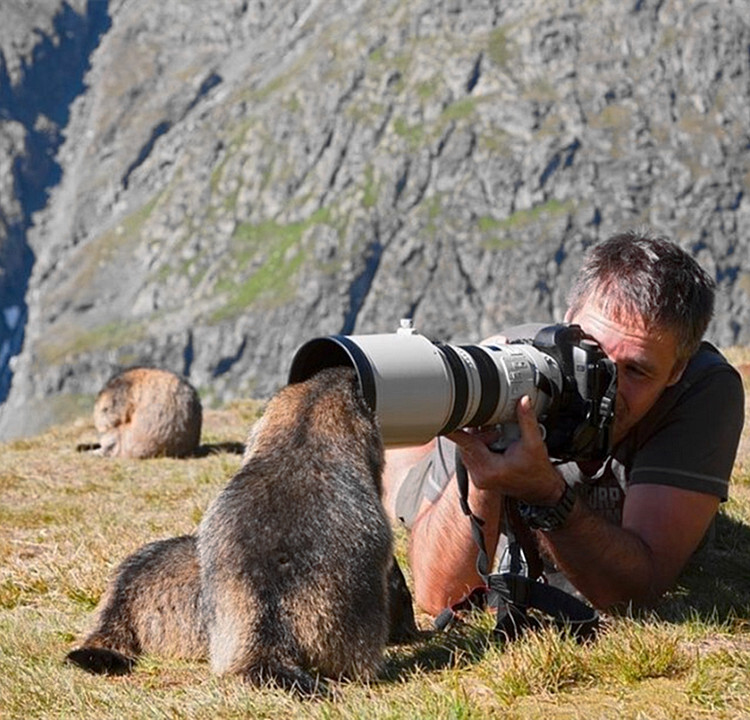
[(677, 370)]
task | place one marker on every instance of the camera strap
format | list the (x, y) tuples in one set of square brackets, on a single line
[(513, 594)]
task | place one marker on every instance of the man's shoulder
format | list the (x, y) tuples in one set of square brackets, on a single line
[(708, 359), (708, 374)]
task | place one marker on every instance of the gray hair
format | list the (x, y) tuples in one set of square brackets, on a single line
[(636, 272)]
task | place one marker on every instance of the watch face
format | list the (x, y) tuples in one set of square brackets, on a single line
[(546, 518)]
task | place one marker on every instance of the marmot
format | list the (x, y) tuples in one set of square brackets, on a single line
[(146, 412), (291, 574)]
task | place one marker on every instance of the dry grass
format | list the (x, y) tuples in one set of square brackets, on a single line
[(67, 519)]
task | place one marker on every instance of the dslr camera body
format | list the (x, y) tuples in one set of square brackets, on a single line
[(419, 388)]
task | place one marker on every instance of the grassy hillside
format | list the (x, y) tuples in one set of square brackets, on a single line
[(67, 519)]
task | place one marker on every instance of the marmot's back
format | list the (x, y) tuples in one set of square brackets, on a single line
[(296, 550)]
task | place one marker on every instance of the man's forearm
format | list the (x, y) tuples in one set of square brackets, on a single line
[(606, 563), (442, 550)]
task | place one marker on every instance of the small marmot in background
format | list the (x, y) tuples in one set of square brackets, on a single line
[(147, 412)]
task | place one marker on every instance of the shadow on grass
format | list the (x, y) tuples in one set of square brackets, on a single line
[(204, 450), (235, 448), (715, 586), (436, 650)]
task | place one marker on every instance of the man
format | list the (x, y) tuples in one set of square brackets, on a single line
[(622, 530)]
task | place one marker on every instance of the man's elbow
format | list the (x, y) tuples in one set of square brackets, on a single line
[(614, 598), (433, 591), (428, 602), (430, 594)]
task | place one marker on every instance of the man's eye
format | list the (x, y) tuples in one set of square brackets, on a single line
[(635, 372)]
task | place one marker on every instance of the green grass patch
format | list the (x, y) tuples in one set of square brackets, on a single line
[(499, 48), (496, 232), (71, 341), (427, 89), (274, 248), (371, 189), (41, 515), (459, 110), (14, 592), (412, 134)]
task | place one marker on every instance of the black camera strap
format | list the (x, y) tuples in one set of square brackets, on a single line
[(513, 594)]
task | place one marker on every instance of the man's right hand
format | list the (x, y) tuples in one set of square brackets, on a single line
[(523, 471)]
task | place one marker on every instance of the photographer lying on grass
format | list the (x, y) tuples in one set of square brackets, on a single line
[(621, 530)]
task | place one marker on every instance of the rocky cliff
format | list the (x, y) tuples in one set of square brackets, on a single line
[(223, 180)]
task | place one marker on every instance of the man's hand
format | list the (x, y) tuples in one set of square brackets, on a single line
[(523, 471)]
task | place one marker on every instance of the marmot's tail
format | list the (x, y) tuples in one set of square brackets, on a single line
[(288, 677), (100, 661)]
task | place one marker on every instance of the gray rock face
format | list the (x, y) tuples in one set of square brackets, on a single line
[(44, 49), (237, 177)]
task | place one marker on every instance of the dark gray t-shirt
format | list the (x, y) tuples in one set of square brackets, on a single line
[(688, 440)]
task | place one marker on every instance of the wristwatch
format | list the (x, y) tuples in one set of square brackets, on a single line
[(548, 517)]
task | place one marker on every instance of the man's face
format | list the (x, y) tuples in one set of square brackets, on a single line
[(646, 360)]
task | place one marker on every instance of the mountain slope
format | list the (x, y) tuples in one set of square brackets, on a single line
[(240, 176)]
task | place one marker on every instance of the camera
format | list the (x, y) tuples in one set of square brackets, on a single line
[(419, 388)]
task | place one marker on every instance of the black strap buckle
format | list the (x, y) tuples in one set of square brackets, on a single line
[(475, 599)]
